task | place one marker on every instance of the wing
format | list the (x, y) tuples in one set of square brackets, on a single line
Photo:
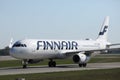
[(113, 45), (88, 52)]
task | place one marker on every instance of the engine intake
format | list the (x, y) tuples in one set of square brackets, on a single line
[(79, 58)]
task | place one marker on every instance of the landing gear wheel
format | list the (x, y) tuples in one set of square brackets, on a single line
[(24, 62), (24, 66), (83, 65), (80, 65), (52, 64)]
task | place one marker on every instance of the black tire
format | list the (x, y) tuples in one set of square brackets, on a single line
[(54, 64), (84, 65), (50, 64), (80, 65), (24, 66)]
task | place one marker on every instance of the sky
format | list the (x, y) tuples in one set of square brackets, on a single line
[(57, 19)]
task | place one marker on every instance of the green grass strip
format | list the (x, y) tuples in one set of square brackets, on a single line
[(104, 74)]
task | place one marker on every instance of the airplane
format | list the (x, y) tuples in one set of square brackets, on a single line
[(35, 50)]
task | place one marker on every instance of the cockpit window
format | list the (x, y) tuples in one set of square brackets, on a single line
[(19, 45)]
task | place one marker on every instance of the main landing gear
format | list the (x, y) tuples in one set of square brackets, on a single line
[(82, 64), (25, 62), (51, 63)]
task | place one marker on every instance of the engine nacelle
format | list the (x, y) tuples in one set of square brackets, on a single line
[(80, 58), (32, 61)]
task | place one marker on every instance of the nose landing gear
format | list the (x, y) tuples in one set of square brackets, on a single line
[(24, 62)]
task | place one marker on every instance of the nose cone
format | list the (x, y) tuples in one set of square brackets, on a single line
[(19, 53), (18, 50), (14, 52)]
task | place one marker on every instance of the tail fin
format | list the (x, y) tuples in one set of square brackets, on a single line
[(104, 30)]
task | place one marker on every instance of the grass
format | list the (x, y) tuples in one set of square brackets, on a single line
[(10, 63), (105, 74), (108, 55), (104, 60), (14, 63)]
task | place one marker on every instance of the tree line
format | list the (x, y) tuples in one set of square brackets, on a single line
[(5, 51)]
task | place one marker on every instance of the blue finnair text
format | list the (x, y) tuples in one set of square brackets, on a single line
[(57, 45)]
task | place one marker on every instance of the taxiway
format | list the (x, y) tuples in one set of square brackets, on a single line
[(59, 68)]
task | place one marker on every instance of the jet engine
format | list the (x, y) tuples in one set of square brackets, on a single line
[(80, 58), (32, 61)]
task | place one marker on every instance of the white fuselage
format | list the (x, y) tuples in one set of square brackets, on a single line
[(41, 49)]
